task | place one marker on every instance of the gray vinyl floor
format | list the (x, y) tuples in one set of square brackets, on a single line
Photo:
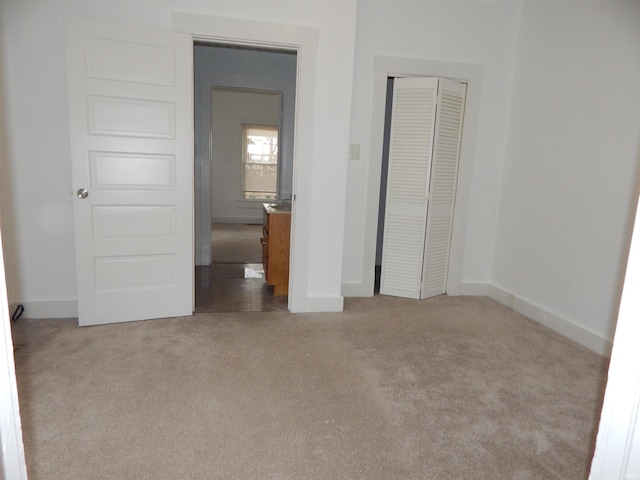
[(235, 287), (234, 282)]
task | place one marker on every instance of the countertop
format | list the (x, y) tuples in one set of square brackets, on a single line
[(276, 208)]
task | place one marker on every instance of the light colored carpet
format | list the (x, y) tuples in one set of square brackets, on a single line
[(236, 243), (446, 388)]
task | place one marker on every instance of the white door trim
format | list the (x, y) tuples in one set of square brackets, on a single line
[(11, 444), (304, 40), (383, 67), (617, 450)]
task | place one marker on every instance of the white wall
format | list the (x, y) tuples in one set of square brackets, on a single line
[(551, 242), (230, 110), (571, 170), (39, 237), (6, 215), (437, 36), (41, 242)]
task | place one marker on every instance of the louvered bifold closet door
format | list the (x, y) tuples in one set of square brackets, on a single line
[(442, 186), (410, 150)]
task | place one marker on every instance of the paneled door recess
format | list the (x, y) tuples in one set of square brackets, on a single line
[(424, 152), (131, 124)]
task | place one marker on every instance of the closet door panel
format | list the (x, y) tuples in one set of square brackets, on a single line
[(410, 151), (442, 186)]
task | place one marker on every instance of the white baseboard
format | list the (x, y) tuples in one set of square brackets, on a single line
[(356, 289), (335, 303), (362, 289), (555, 322), (322, 303), (475, 289), (48, 309)]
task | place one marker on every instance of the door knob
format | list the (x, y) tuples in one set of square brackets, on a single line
[(82, 193)]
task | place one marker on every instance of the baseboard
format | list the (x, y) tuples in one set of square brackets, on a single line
[(475, 289), (356, 289), (361, 289), (322, 303), (555, 322), (48, 309)]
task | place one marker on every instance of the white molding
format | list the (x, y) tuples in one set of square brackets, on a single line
[(617, 451), (12, 453), (297, 303), (474, 289), (362, 289), (565, 327), (48, 308), (501, 296), (356, 289), (324, 303), (244, 32)]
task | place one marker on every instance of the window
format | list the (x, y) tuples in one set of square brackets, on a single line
[(259, 162)]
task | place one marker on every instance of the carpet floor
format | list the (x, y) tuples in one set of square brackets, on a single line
[(445, 388)]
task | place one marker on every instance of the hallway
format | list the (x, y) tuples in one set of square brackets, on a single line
[(235, 287), (234, 282)]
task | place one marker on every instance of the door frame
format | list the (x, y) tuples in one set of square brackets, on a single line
[(472, 75), (303, 40), (12, 458)]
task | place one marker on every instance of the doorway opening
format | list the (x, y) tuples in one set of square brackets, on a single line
[(244, 106), (383, 183)]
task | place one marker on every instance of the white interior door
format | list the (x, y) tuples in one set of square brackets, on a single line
[(131, 124), (424, 152), (442, 186), (410, 149)]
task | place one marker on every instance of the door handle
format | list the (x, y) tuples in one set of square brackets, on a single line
[(82, 193)]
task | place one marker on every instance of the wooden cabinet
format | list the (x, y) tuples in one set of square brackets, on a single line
[(276, 231)]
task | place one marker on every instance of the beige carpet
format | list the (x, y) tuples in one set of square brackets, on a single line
[(447, 388), (236, 243)]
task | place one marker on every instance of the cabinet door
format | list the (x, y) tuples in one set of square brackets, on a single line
[(277, 271)]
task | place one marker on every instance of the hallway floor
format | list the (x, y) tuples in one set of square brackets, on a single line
[(235, 287)]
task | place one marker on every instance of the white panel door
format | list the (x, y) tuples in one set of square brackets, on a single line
[(442, 186), (131, 125), (410, 150)]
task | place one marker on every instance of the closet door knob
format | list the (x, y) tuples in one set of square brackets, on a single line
[(82, 193)]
